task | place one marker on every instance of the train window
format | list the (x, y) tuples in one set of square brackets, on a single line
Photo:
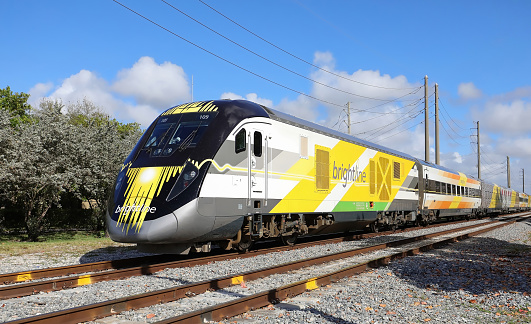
[(257, 149), (158, 134), (454, 192), (186, 135), (437, 187), (448, 189), (240, 141)]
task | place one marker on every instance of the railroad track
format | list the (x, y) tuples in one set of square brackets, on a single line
[(90, 273), (232, 308)]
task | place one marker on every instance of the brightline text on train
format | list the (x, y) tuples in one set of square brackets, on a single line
[(350, 174)]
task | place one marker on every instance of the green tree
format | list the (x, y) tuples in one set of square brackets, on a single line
[(16, 104), (52, 153), (39, 166), (103, 144)]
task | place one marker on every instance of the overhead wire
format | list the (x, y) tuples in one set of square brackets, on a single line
[(226, 60), (236, 65), (445, 111), (344, 33), (273, 62), (397, 121), (297, 57), (382, 139)]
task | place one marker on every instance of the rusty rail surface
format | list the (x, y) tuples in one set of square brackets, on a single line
[(125, 268), (98, 310)]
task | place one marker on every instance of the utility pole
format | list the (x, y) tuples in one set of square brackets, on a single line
[(523, 180), (348, 117), (437, 156), (508, 173), (479, 155), (426, 125)]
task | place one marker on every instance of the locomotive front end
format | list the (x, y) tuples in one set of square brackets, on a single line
[(154, 200)]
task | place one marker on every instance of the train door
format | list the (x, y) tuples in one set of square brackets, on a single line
[(258, 158)]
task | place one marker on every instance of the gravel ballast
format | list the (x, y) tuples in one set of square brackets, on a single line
[(463, 282), (485, 279)]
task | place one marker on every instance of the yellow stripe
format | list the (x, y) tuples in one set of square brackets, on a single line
[(200, 106), (84, 280)]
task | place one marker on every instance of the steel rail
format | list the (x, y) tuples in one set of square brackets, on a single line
[(122, 272), (102, 309), (29, 288), (273, 296), (14, 277), (23, 276)]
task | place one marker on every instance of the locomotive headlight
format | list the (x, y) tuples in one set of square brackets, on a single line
[(190, 175), (185, 179)]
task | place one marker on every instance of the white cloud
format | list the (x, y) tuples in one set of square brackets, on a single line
[(505, 118), (38, 91), (468, 91), (152, 84), (376, 115), (458, 158), (153, 88)]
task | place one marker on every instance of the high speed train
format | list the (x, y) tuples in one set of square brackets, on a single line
[(233, 172)]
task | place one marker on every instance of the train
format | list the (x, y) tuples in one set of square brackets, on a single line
[(229, 173)]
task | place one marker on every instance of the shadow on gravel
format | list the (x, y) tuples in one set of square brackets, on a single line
[(478, 265), (287, 307), (111, 253)]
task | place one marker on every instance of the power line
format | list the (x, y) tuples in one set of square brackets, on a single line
[(226, 60), (380, 129), (390, 112), (345, 33), (380, 140), (271, 61), (450, 116), (234, 64), (295, 56)]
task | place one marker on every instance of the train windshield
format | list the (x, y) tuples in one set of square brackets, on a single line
[(177, 133)]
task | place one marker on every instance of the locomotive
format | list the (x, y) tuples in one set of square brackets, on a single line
[(233, 172)]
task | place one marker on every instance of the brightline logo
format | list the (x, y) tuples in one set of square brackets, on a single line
[(135, 208), (350, 174)]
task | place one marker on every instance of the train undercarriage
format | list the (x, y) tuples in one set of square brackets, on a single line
[(287, 228)]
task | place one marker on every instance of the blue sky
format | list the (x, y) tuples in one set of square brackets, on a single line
[(373, 54)]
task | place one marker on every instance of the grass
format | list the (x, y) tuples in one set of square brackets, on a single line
[(51, 243)]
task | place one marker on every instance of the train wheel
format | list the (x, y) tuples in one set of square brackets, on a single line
[(289, 240), (374, 227), (244, 245)]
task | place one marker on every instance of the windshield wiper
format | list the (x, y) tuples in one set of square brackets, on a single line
[(189, 139)]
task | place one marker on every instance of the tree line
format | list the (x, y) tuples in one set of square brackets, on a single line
[(54, 158)]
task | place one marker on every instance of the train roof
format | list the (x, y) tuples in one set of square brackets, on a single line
[(258, 110), (292, 120)]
